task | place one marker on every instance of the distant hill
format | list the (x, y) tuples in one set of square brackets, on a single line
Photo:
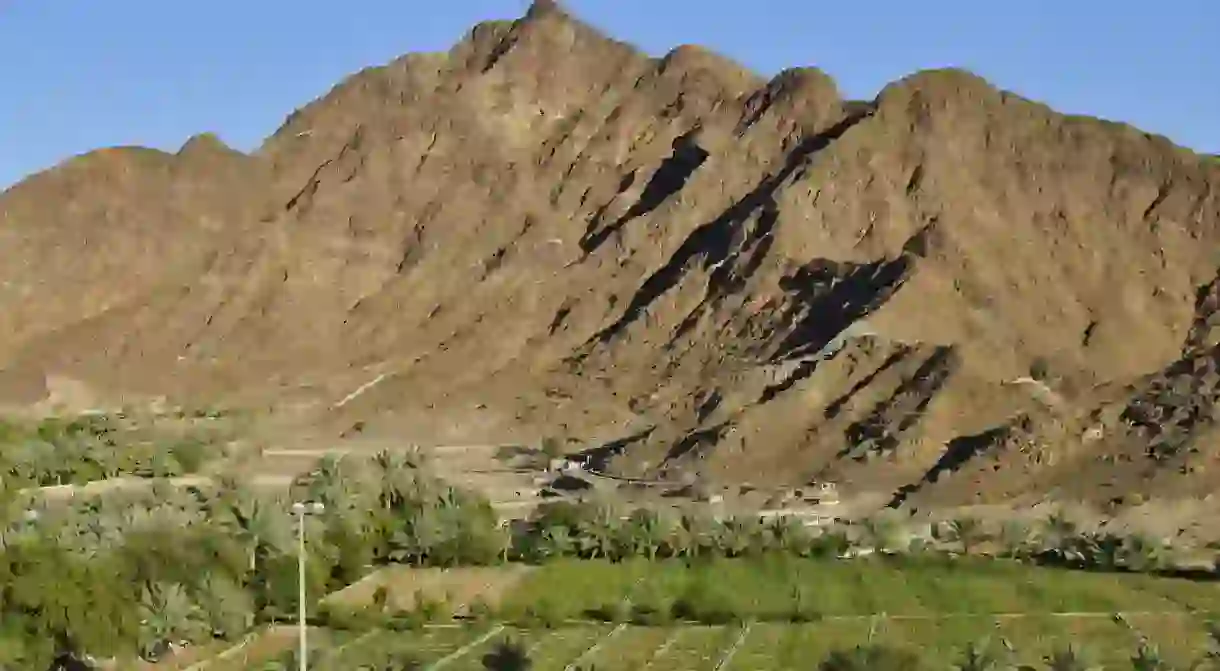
[(949, 292)]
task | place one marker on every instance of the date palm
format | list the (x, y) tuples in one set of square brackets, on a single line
[(644, 533), (1148, 658), (970, 532), (1015, 538), (982, 656), (596, 533), (882, 533), (507, 655), (790, 535), (1069, 658), (1058, 531), (1141, 553)]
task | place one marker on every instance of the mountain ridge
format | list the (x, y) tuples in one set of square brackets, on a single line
[(544, 231)]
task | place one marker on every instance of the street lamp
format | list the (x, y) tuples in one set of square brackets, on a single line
[(301, 510)]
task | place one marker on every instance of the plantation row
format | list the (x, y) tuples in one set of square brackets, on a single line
[(86, 448)]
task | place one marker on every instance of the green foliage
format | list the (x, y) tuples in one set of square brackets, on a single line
[(872, 658), (708, 601), (507, 655), (1068, 658), (983, 656), (551, 447), (544, 613), (803, 607), (125, 573), (77, 450), (1148, 658)]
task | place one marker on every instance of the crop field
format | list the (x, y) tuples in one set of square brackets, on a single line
[(761, 646), (934, 607), (907, 586)]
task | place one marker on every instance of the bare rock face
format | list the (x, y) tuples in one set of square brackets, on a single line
[(949, 292)]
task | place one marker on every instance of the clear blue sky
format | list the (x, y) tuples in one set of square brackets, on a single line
[(82, 74)]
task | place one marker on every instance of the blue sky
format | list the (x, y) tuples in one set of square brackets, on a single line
[(83, 74)]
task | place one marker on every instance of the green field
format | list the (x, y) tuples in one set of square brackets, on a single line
[(765, 589), (936, 607), (770, 646)]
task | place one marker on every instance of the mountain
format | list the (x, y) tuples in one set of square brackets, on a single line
[(948, 292)]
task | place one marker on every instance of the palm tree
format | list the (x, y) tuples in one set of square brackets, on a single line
[(883, 534), (967, 532), (596, 533), (1102, 550), (871, 658), (790, 535), (507, 655), (1148, 658), (391, 470), (737, 536), (644, 533), (1068, 658), (982, 656), (1059, 530), (1014, 538), (167, 613), (1141, 553)]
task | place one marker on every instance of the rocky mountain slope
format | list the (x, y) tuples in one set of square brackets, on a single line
[(949, 291)]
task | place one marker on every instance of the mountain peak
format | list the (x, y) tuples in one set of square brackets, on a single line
[(540, 8)]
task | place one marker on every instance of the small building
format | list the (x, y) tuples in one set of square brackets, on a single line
[(820, 493)]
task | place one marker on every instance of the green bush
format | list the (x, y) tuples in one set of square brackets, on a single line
[(707, 601), (507, 655), (872, 658), (544, 613)]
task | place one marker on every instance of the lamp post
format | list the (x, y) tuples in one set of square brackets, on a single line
[(301, 510)]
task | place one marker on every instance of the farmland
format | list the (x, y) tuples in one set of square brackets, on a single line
[(403, 568), (779, 613), (762, 646)]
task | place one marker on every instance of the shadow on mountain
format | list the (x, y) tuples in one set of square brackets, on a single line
[(881, 431), (670, 177), (959, 451), (598, 457), (712, 244)]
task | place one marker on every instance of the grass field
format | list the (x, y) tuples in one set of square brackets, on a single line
[(935, 607), (768, 646), (765, 589)]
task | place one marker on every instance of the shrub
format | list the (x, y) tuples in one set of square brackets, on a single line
[(872, 658), (615, 611), (802, 608), (430, 608), (507, 655), (543, 613), (652, 614), (480, 610), (349, 617), (707, 601)]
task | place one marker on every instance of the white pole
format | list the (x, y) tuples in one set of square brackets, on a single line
[(301, 586), (301, 509)]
